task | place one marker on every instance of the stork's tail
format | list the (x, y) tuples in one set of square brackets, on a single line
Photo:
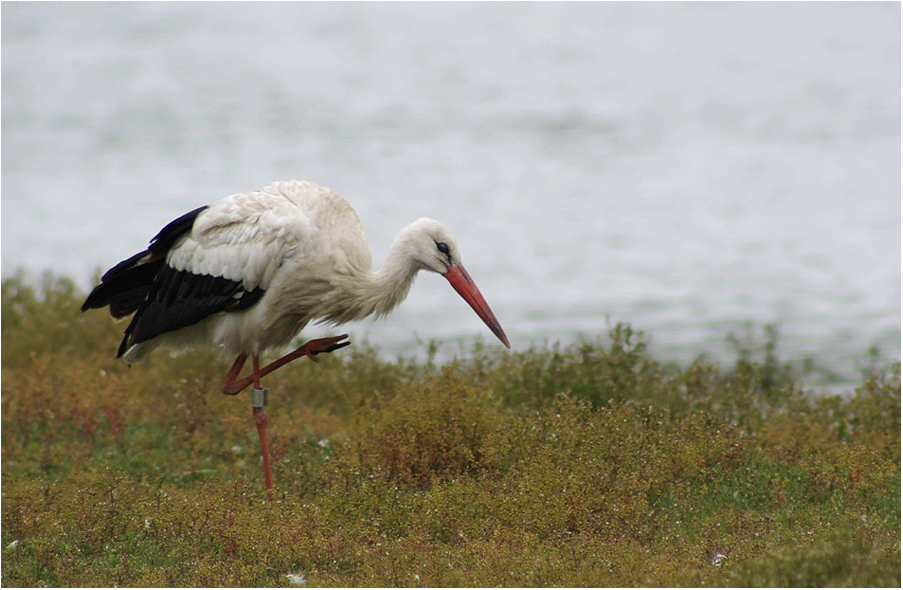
[(126, 286)]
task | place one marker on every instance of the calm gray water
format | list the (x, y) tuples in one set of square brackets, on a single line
[(682, 167)]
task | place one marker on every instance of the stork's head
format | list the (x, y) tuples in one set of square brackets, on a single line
[(432, 247)]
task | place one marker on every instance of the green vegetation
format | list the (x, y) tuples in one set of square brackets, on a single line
[(586, 465)]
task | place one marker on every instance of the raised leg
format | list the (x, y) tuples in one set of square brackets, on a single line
[(232, 385), (229, 379)]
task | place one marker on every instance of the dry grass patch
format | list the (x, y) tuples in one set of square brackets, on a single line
[(587, 465)]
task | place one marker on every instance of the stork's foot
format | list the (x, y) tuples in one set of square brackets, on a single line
[(232, 385), (317, 346)]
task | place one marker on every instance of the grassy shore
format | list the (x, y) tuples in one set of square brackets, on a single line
[(589, 465)]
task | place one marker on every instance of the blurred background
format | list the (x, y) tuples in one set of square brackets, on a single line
[(687, 168)]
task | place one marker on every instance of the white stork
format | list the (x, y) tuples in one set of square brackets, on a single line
[(248, 273)]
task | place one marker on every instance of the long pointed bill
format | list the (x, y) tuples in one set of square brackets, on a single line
[(467, 289)]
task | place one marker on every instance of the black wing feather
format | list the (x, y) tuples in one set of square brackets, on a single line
[(125, 286), (179, 299), (162, 298), (175, 229)]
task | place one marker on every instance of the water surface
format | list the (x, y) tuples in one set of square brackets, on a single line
[(682, 167)]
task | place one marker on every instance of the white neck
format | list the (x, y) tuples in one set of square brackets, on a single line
[(378, 293), (390, 285)]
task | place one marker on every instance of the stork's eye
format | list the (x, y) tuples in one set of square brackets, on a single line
[(443, 247)]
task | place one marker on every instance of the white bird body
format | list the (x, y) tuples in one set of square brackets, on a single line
[(301, 245)]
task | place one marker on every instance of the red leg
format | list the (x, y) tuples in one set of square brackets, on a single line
[(262, 420), (228, 386), (232, 385), (256, 374)]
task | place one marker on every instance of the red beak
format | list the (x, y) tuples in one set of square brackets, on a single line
[(467, 289)]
